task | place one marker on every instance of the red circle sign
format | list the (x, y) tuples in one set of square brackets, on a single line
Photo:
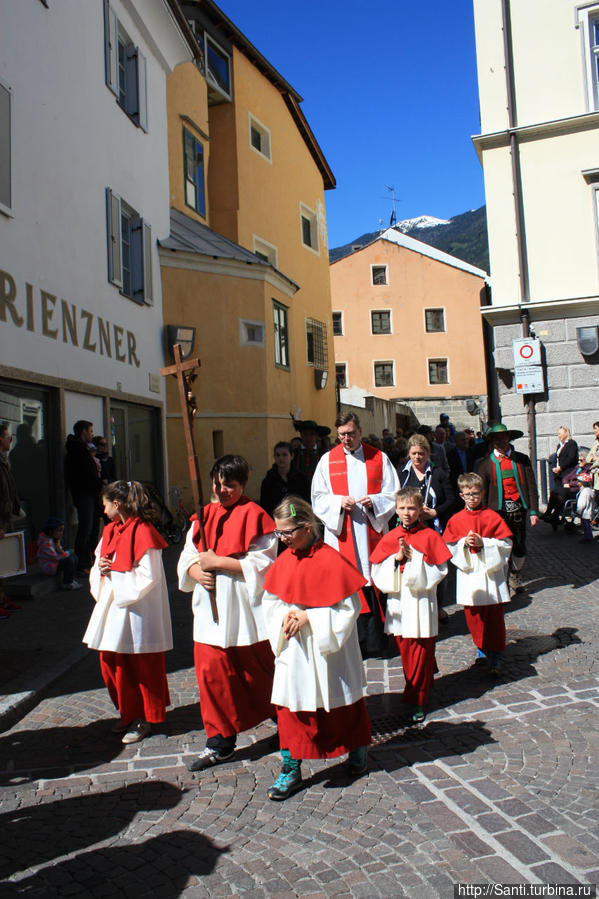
[(526, 351)]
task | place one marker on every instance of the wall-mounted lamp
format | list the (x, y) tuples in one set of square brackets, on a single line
[(588, 340), (320, 378), (183, 335)]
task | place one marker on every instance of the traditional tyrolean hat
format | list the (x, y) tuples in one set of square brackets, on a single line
[(494, 430)]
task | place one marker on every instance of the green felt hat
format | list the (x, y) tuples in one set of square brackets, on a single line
[(512, 433)]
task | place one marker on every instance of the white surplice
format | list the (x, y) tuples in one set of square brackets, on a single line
[(411, 595), (132, 613), (238, 596), (481, 578), (327, 505), (321, 667)]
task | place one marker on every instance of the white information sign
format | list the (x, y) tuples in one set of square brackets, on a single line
[(529, 379)]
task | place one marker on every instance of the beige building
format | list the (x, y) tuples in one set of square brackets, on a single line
[(538, 73), (407, 327)]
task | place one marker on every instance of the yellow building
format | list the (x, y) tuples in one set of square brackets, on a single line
[(246, 262)]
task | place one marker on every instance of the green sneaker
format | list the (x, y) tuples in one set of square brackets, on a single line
[(288, 782), (418, 714)]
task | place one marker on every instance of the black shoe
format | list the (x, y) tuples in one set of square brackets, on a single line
[(208, 758)]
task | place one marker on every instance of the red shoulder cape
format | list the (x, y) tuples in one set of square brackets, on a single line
[(317, 578), (230, 531), (129, 541), (424, 540), (485, 522)]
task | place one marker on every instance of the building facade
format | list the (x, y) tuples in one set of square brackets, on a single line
[(538, 74), (83, 135), (246, 261), (407, 327)]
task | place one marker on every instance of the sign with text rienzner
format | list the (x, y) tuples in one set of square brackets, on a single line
[(528, 368)]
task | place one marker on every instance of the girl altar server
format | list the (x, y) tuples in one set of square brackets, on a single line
[(407, 564), (311, 606), (131, 623), (233, 659), (480, 544)]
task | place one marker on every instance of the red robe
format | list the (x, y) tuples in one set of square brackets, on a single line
[(485, 623), (318, 577), (417, 654), (136, 683), (234, 683)]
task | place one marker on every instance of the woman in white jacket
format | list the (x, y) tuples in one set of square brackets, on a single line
[(131, 625)]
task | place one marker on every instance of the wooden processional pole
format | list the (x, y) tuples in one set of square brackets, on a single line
[(184, 372)]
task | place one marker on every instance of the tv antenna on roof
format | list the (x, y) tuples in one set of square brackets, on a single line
[(393, 217)]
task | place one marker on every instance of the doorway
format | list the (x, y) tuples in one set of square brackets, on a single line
[(136, 446)]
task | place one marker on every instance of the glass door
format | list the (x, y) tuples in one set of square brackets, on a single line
[(136, 447)]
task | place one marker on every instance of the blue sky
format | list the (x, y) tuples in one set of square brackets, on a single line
[(390, 92)]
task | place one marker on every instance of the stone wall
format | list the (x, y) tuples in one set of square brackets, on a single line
[(427, 411), (571, 395)]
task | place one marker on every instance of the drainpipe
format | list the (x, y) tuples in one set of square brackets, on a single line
[(524, 279)]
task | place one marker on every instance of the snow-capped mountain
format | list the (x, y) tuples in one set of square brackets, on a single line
[(423, 221)]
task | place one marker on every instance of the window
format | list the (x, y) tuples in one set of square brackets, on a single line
[(379, 274), (594, 59), (5, 148), (316, 344), (434, 319), (338, 324), (265, 251), (251, 333), (437, 371), (384, 375), (193, 172), (125, 69), (129, 250), (309, 227), (380, 321), (218, 69), (259, 137), (281, 335), (341, 374)]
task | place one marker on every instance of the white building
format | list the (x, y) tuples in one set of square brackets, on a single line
[(84, 196), (538, 72)]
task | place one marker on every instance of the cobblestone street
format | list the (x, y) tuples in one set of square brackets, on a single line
[(498, 785)]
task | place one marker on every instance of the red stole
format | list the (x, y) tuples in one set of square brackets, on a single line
[(484, 522), (317, 577), (374, 479), (424, 540), (129, 541), (229, 531)]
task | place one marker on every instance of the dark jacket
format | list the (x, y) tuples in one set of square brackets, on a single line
[(80, 470), (9, 501), (274, 488), (567, 459), (530, 494), (445, 499)]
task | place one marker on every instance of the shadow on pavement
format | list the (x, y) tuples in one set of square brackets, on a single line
[(37, 834), (159, 866), (54, 752)]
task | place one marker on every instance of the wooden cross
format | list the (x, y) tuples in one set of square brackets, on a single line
[(183, 371)]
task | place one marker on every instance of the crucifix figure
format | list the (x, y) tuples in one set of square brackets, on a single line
[(185, 374)]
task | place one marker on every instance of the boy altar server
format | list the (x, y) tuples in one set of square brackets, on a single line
[(233, 659), (407, 564), (480, 543)]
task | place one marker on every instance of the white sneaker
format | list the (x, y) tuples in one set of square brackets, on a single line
[(136, 731), (74, 585)]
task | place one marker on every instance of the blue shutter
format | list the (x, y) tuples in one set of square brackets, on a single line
[(113, 236), (147, 263), (137, 260), (142, 91), (111, 40)]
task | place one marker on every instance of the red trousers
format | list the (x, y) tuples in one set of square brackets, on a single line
[(137, 684), (487, 626), (235, 686), (418, 662), (324, 735)]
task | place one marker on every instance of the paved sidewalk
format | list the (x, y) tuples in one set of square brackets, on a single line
[(500, 784)]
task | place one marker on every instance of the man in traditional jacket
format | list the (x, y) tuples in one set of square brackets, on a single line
[(306, 458), (510, 488), (353, 493)]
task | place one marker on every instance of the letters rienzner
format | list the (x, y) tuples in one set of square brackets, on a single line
[(59, 319)]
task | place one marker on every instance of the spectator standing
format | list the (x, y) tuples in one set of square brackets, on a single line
[(10, 508), (282, 480), (306, 458), (593, 456), (107, 466), (83, 480)]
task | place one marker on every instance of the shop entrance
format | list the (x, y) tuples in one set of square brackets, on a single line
[(136, 447)]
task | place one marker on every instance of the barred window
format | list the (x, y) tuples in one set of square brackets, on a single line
[(316, 344)]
